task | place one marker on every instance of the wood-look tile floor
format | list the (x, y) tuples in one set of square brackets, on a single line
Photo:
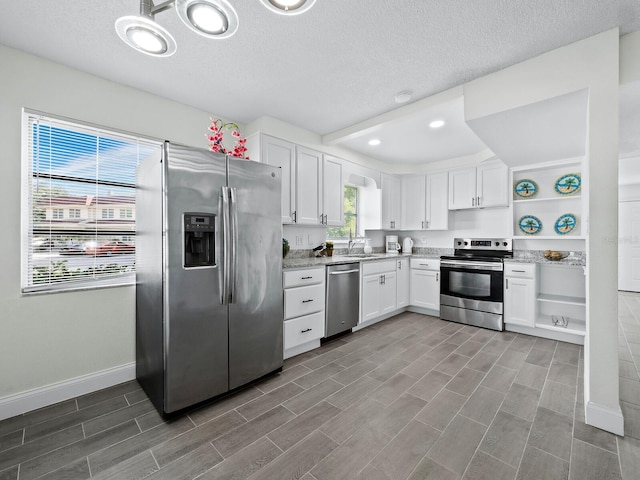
[(412, 397)]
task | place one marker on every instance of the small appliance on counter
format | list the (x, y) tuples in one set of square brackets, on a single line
[(391, 244), (407, 245)]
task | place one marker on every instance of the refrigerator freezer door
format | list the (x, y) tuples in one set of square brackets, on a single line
[(196, 323), (256, 311)]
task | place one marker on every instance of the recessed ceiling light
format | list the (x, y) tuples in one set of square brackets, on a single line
[(402, 97), (288, 7), (436, 124), (374, 142)]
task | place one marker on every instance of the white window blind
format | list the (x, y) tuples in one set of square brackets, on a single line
[(75, 177)]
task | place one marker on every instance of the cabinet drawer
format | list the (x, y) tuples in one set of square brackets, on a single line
[(303, 300), (298, 278), (369, 268), (520, 270), (304, 329), (425, 263)]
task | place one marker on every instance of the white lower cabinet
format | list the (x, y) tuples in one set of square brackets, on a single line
[(546, 299), (378, 289), (403, 279), (424, 291), (520, 294), (304, 298)]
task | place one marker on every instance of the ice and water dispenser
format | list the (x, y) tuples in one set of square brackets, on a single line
[(199, 240)]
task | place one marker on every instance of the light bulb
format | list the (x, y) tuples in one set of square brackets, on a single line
[(207, 18), (146, 40)]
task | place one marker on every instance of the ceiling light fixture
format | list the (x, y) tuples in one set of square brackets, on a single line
[(436, 124), (288, 7), (210, 18), (374, 142)]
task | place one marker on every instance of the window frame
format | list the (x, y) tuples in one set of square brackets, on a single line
[(27, 286), (355, 215)]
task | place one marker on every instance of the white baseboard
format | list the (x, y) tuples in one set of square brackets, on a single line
[(23, 402), (605, 418)]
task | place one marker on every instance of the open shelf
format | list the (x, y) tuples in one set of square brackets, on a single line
[(576, 325), (564, 299), (547, 199)]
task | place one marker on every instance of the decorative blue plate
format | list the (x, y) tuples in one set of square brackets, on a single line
[(530, 225), (568, 184), (525, 188), (565, 224)]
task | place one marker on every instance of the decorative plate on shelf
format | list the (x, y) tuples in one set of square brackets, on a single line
[(565, 224), (530, 225), (568, 184), (525, 188)]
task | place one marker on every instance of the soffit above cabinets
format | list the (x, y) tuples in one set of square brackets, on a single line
[(552, 129)]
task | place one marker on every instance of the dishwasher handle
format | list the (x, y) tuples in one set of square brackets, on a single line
[(343, 272)]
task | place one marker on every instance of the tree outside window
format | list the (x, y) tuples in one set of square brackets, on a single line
[(350, 209)]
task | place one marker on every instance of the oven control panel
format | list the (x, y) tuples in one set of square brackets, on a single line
[(498, 244)]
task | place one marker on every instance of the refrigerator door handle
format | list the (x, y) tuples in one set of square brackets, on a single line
[(224, 250), (233, 235)]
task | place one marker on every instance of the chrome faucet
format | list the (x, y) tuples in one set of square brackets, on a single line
[(352, 242)]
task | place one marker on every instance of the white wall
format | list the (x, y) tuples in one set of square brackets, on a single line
[(592, 63), (54, 337)]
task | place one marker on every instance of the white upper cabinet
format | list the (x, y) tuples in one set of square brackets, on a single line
[(493, 185), (479, 187), (424, 202), (332, 192), (312, 183), (413, 202), (462, 188), (280, 153), (390, 186), (308, 186)]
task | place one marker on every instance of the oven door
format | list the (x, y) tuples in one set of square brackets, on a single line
[(477, 282)]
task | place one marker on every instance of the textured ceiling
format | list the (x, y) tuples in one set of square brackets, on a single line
[(336, 65)]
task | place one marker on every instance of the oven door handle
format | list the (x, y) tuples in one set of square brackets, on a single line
[(472, 265)]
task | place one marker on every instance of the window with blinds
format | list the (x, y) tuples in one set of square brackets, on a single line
[(79, 209)]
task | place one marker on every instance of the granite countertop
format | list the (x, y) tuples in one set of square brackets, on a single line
[(571, 262), (338, 259)]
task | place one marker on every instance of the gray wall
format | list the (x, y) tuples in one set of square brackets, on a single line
[(55, 337)]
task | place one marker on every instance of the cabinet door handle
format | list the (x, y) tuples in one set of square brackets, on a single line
[(382, 280), (422, 224), (519, 271), (295, 216), (506, 281), (478, 202), (437, 273), (473, 201), (424, 264), (399, 265), (306, 330), (393, 224), (427, 223), (306, 278), (307, 301)]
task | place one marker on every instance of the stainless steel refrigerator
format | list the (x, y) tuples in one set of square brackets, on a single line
[(209, 308)]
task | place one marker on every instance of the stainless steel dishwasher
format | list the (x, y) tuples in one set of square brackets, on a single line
[(343, 298)]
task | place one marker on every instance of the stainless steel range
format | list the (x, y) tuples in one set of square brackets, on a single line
[(471, 288)]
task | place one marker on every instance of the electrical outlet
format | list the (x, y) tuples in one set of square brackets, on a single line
[(299, 240), (423, 240)]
